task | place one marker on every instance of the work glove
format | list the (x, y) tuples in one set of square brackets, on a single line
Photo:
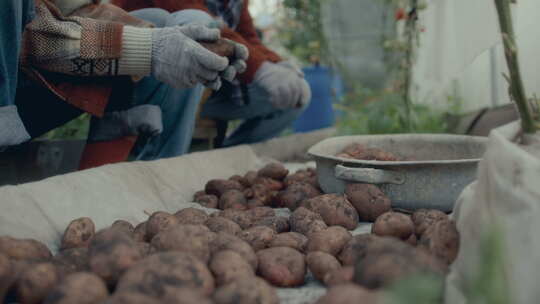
[(238, 65), (12, 130), (292, 66), (286, 89), (142, 120), (181, 62)]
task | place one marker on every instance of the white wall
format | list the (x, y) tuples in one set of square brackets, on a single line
[(461, 52)]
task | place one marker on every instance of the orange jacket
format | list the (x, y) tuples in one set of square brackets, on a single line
[(245, 33)]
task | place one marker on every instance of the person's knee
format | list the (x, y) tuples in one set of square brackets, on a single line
[(190, 16), (159, 17)]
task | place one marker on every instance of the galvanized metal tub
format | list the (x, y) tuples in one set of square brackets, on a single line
[(442, 166)]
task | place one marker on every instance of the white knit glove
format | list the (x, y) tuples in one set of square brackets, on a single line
[(238, 66), (12, 130), (287, 90), (181, 62)]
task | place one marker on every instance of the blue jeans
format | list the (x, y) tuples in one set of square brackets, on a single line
[(14, 15)]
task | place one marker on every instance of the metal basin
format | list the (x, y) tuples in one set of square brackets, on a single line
[(442, 166)]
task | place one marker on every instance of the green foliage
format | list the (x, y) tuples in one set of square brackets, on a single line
[(419, 289), (74, 130)]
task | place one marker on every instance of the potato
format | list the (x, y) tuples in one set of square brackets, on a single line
[(269, 184), (295, 194), (191, 216), (198, 195), (282, 266), (348, 294), (368, 200), (335, 210), (6, 275), (24, 249), (412, 240), (112, 252), (221, 224), (218, 187), (303, 176), (321, 263), (360, 151), (339, 276), (124, 226), (221, 47), (246, 291), (293, 240), (424, 218), (80, 288), (233, 199), (160, 272), (250, 178), (242, 180), (36, 282), (261, 213), (139, 233), (78, 233), (228, 265), (279, 224), (242, 218), (72, 260), (255, 203), (208, 201), (185, 296), (356, 248), (160, 221), (193, 239), (275, 171), (305, 221), (131, 298), (258, 237), (259, 194), (441, 240), (330, 240), (225, 241), (393, 224), (145, 249)]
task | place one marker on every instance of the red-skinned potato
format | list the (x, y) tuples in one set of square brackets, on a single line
[(321, 263), (277, 223), (78, 233), (225, 241), (80, 288), (242, 218), (233, 199), (193, 239), (368, 200), (159, 221), (441, 240), (6, 275), (282, 266), (275, 171), (305, 221), (228, 265), (246, 291), (139, 233), (218, 187), (424, 218), (221, 224), (24, 249), (393, 224), (124, 226), (260, 213), (340, 276), (335, 210), (331, 240), (191, 216), (72, 260), (356, 248), (258, 237), (208, 201), (36, 282), (294, 240), (131, 298)]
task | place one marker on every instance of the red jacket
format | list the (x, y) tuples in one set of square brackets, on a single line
[(245, 32)]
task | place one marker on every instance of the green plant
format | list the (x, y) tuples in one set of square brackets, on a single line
[(76, 129)]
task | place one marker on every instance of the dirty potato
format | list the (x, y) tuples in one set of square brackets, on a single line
[(194, 239), (160, 272), (72, 260), (198, 195), (321, 263), (424, 218), (246, 291), (335, 210), (159, 221), (185, 296), (24, 249), (124, 226), (282, 266), (293, 240), (356, 248), (233, 199), (269, 183), (330, 240), (393, 224), (218, 187), (191, 216), (242, 218), (131, 298), (80, 288), (348, 294), (6, 275), (275, 171), (279, 224), (441, 240), (368, 200), (260, 213), (225, 241), (258, 237), (305, 221), (208, 201), (78, 233), (228, 265), (36, 282), (340, 276), (250, 178), (295, 194), (221, 224)]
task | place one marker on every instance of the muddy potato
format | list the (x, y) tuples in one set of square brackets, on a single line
[(368, 200), (295, 194), (282, 266), (221, 224), (139, 233), (393, 224), (259, 196), (242, 218), (255, 203), (157, 273), (441, 240), (335, 210), (258, 237), (80, 288), (269, 184), (24, 249), (302, 176), (340, 276), (124, 226), (250, 178), (293, 240), (218, 187), (261, 213), (348, 294), (242, 180), (191, 216), (160, 221), (225, 241), (145, 249), (321, 263), (275, 171), (111, 253), (185, 296), (193, 239), (131, 298), (228, 265), (424, 218), (356, 248), (279, 224), (6, 275), (412, 240), (78, 233), (198, 195), (246, 291), (208, 201), (233, 199), (331, 240), (305, 221), (72, 260), (36, 282)]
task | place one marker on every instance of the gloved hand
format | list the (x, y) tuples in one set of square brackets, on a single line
[(238, 66), (142, 120), (181, 62), (12, 130), (291, 65), (286, 89)]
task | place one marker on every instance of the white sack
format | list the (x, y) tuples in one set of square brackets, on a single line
[(507, 193)]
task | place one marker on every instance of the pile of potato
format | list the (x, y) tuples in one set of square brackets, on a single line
[(239, 254), (360, 151)]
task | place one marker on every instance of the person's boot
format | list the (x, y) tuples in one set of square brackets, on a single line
[(12, 130)]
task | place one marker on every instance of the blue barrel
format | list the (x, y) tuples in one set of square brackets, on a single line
[(320, 113)]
